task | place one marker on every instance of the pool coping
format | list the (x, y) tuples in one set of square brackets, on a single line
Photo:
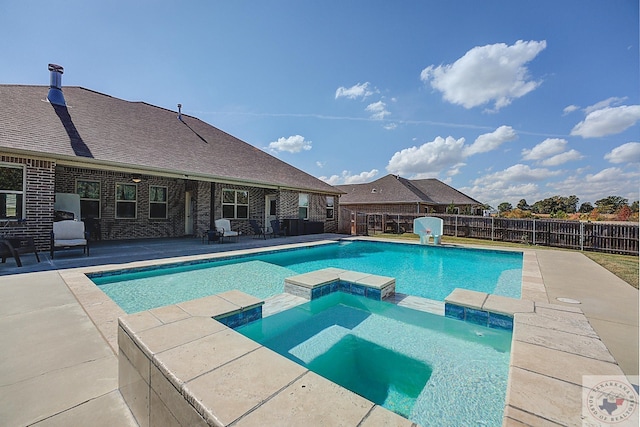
[(550, 354)]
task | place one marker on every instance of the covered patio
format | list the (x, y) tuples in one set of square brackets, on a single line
[(124, 251)]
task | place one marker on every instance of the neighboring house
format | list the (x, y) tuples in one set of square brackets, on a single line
[(394, 194), (141, 171)]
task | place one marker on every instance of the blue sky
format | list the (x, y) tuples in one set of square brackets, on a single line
[(501, 99)]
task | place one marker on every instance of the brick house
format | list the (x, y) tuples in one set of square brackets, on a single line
[(394, 194), (141, 171)]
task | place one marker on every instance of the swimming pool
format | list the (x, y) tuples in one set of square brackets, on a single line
[(431, 369), (424, 271)]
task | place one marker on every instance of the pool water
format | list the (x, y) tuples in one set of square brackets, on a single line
[(424, 271), (428, 368)]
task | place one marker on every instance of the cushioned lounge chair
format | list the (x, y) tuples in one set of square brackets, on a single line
[(69, 234), (223, 227)]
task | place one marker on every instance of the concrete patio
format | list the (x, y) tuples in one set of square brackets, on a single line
[(58, 368)]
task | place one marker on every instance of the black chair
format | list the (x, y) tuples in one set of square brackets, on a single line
[(14, 246), (257, 229), (276, 230)]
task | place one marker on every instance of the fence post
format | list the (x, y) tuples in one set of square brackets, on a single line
[(534, 232), (492, 228), (398, 225), (456, 228), (582, 236)]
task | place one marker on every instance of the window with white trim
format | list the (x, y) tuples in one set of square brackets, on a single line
[(235, 204), (330, 210), (303, 206), (89, 192), (157, 202), (126, 200), (12, 183)]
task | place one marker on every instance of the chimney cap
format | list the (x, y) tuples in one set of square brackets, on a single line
[(57, 68)]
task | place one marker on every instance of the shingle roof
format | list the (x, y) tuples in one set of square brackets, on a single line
[(100, 129), (395, 189)]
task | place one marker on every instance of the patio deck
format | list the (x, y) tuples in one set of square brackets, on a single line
[(56, 368)]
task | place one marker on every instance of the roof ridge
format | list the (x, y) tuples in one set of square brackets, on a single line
[(411, 186)]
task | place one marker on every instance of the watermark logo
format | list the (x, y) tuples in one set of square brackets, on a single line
[(609, 401)]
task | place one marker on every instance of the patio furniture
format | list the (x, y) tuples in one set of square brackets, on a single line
[(276, 230), (212, 236), (223, 226), (69, 235), (258, 231), (15, 246)]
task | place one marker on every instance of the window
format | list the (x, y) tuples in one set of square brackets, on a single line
[(89, 192), (11, 192), (126, 200), (329, 207), (157, 202), (235, 204), (303, 206)]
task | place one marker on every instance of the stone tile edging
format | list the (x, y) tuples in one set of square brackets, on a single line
[(319, 283), (179, 366)]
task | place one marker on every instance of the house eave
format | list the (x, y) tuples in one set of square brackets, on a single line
[(73, 161)]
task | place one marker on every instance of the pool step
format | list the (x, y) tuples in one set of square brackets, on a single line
[(484, 309), (323, 282)]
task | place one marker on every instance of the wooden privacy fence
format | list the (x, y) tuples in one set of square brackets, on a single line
[(611, 237)]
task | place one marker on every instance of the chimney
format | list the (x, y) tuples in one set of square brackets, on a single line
[(55, 95)]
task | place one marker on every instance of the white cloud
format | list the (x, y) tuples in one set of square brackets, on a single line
[(320, 164), (517, 173), (292, 144), (626, 153), (356, 91), (492, 73), (455, 169), (562, 158), (430, 158), (551, 152), (378, 110), (612, 101), (607, 121), (509, 185), (491, 141), (547, 148), (390, 126), (570, 109), (347, 178), (591, 187)]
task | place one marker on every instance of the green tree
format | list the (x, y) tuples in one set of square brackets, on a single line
[(634, 206), (523, 205), (504, 207), (555, 204), (611, 204), (586, 207)]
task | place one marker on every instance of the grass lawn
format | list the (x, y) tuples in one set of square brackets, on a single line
[(625, 267)]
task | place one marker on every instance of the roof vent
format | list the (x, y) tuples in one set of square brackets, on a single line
[(55, 95), (180, 112)]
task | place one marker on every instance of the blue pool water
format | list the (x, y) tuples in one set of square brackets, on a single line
[(431, 369), (424, 271)]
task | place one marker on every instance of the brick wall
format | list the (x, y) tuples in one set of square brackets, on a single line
[(44, 178), (112, 228), (288, 208), (38, 213)]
